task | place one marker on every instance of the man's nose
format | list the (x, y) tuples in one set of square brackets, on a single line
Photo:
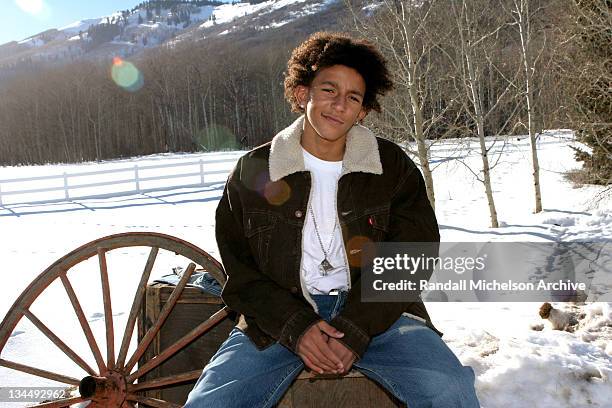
[(339, 102)]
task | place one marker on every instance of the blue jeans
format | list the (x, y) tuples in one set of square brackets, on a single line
[(410, 360)]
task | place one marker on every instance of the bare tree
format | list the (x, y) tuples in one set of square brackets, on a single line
[(400, 32), (474, 45), (523, 20)]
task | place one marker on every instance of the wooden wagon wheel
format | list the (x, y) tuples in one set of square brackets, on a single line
[(112, 382)]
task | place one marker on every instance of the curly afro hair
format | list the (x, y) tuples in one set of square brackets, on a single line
[(325, 49)]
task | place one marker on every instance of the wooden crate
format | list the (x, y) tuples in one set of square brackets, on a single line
[(192, 308), (353, 390)]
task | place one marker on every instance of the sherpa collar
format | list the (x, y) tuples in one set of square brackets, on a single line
[(361, 154)]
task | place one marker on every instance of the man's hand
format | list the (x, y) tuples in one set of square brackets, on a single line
[(314, 349), (344, 353)]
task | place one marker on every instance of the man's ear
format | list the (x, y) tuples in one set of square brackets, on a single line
[(301, 93), (361, 116)]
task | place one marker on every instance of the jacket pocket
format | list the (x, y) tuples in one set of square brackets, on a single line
[(378, 221), (258, 227)]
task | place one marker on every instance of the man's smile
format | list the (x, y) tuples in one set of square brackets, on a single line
[(332, 119)]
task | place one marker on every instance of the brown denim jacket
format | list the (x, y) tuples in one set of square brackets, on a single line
[(260, 219)]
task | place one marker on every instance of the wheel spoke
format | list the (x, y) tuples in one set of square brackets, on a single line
[(108, 310), (38, 372), (151, 402), (65, 402), (152, 332), (83, 321), (142, 287), (115, 356), (59, 343), (179, 344), (165, 381)]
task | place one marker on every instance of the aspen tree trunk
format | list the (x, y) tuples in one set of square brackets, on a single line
[(395, 30), (205, 116), (486, 169), (189, 113), (275, 119), (423, 153), (74, 130), (36, 125), (522, 17), (468, 52), (422, 149), (60, 117), (213, 117), (196, 114)]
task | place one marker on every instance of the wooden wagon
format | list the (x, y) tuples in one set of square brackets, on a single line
[(179, 329)]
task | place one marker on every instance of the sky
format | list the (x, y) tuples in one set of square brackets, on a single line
[(24, 18)]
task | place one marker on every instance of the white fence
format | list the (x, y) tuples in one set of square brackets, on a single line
[(135, 179)]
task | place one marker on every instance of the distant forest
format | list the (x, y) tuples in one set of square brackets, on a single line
[(227, 92)]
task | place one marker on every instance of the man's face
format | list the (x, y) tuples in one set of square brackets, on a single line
[(334, 101)]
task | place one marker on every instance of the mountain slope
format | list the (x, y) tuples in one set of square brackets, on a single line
[(128, 33)]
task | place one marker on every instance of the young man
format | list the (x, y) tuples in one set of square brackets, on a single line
[(290, 227)]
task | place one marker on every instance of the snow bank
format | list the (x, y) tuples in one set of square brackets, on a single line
[(515, 365)]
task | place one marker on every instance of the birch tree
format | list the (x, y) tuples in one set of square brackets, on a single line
[(523, 20), (399, 31), (478, 33)]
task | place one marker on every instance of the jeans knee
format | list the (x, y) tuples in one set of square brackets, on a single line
[(458, 390), (212, 400), (194, 401)]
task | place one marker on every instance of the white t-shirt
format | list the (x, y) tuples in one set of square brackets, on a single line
[(324, 177)]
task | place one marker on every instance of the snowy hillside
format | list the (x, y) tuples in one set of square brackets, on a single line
[(519, 360), (129, 32)]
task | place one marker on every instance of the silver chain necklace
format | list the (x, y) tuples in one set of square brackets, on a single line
[(325, 266)]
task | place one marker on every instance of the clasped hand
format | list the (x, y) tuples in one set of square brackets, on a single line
[(321, 352)]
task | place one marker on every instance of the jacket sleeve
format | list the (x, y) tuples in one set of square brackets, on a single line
[(411, 220), (248, 291)]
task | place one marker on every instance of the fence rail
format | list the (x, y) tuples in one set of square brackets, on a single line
[(135, 177)]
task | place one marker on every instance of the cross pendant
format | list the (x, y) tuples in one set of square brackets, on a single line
[(325, 267)]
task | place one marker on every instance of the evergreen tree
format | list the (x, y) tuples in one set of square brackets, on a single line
[(592, 118)]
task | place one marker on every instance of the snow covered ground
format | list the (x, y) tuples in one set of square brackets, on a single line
[(515, 365)]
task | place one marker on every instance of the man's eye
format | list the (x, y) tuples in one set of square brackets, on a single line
[(328, 90), (355, 99)]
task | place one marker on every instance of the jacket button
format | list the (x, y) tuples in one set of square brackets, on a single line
[(298, 214), (294, 290)]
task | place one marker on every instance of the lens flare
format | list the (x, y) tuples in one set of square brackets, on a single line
[(277, 193), (31, 6), (126, 75), (355, 250), (35, 8)]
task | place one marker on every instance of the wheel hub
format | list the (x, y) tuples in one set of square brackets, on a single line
[(109, 391)]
